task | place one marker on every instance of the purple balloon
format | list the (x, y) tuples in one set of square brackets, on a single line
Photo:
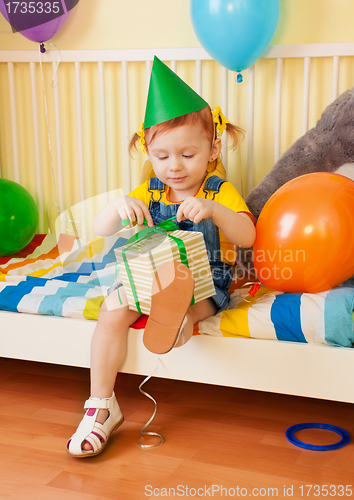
[(46, 31), (31, 25)]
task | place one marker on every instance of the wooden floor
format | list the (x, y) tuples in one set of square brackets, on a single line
[(220, 442)]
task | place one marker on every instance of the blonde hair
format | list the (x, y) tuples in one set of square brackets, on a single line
[(203, 117)]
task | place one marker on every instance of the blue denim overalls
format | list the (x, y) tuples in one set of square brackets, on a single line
[(221, 272)]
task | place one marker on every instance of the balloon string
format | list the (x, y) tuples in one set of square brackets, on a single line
[(48, 132), (54, 82), (42, 50), (239, 149)]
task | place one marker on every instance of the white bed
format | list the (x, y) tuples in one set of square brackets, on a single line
[(289, 368), (311, 370)]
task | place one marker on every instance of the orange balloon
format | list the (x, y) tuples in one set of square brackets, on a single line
[(305, 234)]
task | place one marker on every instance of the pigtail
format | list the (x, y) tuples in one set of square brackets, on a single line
[(235, 134), (221, 123), (133, 146), (139, 135)]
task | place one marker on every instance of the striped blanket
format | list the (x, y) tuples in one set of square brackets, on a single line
[(325, 318), (57, 275)]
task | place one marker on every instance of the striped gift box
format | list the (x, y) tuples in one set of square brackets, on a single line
[(145, 256)]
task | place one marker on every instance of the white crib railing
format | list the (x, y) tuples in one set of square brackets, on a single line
[(279, 54)]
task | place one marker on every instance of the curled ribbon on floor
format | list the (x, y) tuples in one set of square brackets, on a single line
[(142, 430)]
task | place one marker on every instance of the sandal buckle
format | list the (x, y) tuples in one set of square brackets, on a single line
[(97, 404)]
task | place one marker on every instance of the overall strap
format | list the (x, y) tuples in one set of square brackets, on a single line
[(213, 184), (155, 185)]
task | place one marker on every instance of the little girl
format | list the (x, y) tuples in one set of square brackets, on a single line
[(181, 136)]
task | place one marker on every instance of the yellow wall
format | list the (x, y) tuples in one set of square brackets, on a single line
[(114, 24)]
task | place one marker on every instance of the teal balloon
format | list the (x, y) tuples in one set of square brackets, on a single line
[(235, 32), (18, 217)]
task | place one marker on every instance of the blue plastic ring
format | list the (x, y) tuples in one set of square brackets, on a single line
[(312, 425)]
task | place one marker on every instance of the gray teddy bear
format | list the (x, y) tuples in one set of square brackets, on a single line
[(328, 147)]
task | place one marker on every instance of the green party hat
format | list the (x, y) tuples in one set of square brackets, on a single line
[(169, 96)]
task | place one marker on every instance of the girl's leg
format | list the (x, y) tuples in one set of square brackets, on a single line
[(109, 347), (109, 343), (197, 312)]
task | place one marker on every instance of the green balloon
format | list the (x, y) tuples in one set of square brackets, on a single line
[(18, 217)]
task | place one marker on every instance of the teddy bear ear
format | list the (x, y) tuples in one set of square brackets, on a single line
[(332, 138)]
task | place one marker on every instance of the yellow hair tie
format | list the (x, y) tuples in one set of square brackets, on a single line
[(141, 134), (220, 120)]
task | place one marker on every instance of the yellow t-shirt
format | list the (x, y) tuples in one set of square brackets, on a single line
[(227, 196)]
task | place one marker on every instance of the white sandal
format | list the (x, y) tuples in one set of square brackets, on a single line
[(95, 433)]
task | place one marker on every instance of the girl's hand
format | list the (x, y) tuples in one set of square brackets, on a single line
[(133, 209), (195, 209), (238, 228)]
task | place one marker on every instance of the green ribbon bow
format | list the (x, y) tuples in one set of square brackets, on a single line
[(161, 228)]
